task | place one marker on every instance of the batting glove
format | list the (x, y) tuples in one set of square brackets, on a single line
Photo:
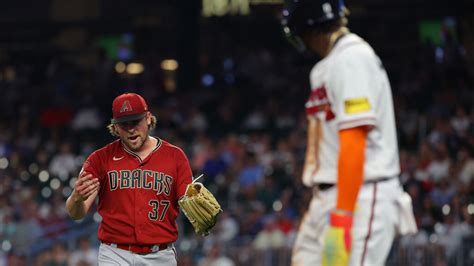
[(337, 240)]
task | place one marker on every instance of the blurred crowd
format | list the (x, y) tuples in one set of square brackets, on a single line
[(243, 127)]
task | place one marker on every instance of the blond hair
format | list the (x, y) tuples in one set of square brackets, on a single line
[(113, 131)]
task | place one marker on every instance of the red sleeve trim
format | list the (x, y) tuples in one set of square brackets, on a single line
[(366, 121)]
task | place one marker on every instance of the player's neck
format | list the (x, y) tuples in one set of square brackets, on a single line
[(335, 36), (148, 146), (326, 41)]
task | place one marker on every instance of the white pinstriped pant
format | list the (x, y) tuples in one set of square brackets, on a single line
[(375, 224)]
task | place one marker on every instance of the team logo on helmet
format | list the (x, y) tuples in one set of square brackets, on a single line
[(328, 10), (126, 107)]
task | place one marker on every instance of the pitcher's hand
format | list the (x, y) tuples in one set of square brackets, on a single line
[(85, 186)]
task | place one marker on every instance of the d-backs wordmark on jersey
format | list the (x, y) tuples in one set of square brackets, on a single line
[(138, 178)]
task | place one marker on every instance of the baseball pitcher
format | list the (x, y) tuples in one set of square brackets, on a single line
[(358, 206), (139, 180)]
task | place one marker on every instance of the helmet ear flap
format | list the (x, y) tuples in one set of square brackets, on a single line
[(294, 40)]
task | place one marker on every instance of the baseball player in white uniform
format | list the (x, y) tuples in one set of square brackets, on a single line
[(358, 206)]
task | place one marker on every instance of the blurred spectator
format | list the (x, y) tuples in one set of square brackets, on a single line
[(5, 146), (283, 223), (424, 158), (466, 162), (414, 188), (214, 164), (270, 237), (439, 132), (427, 216), (53, 216), (214, 257), (84, 255), (439, 166), (252, 172), (87, 117), (200, 150), (283, 156), (255, 120), (250, 218), (442, 193), (231, 149), (3, 258), (284, 120), (63, 164), (27, 230), (58, 256), (16, 260), (452, 234), (26, 139), (196, 121), (268, 193), (227, 228), (460, 122), (56, 117)]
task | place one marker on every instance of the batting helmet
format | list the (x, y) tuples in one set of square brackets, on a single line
[(301, 15)]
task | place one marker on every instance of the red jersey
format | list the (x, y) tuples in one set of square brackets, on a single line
[(138, 199)]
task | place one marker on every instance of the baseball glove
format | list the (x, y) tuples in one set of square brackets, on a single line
[(200, 207)]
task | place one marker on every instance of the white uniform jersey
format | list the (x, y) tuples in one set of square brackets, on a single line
[(350, 88)]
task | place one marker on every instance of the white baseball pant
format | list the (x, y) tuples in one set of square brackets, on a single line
[(109, 255), (382, 211)]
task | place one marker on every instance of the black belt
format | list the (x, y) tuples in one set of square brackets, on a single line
[(326, 186)]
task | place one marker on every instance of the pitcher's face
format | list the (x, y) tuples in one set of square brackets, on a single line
[(134, 133)]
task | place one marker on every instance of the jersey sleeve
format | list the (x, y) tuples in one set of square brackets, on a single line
[(92, 166), (184, 173), (353, 89)]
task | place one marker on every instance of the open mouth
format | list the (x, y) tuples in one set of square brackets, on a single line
[(133, 138)]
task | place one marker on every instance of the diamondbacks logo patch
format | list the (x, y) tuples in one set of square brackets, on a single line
[(126, 107)]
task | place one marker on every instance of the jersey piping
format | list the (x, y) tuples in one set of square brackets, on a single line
[(158, 145)]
